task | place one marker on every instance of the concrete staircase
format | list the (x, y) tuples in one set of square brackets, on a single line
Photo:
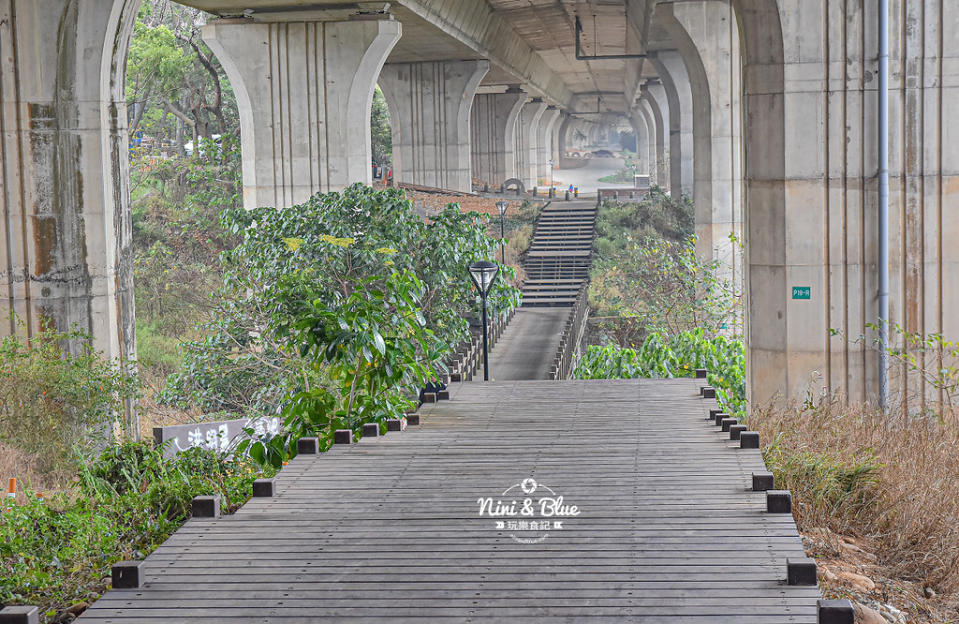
[(560, 254)]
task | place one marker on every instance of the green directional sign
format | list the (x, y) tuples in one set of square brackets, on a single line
[(802, 292)]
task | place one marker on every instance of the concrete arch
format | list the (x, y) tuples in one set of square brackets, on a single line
[(656, 96), (654, 128)]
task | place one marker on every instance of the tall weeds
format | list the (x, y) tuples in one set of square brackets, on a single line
[(893, 478)]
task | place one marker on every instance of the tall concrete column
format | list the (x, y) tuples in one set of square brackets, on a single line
[(304, 91), (669, 64), (657, 100), (526, 132), (638, 121), (492, 131), (712, 28), (557, 140), (66, 255), (654, 139), (544, 143), (429, 106)]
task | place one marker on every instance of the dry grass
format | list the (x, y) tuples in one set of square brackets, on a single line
[(892, 479), (25, 468)]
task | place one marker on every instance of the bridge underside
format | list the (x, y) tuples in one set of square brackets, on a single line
[(762, 111), (667, 530)]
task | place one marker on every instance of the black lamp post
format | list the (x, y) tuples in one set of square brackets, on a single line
[(483, 274), (502, 206)]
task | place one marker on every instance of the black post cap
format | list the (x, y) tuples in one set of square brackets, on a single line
[(763, 481), (263, 488), (308, 446), (701, 373), (412, 419), (726, 423), (205, 506), (779, 501), (394, 424), (835, 612), (371, 430), (343, 436), (736, 430), (749, 440), (127, 574), (801, 571), (20, 614)]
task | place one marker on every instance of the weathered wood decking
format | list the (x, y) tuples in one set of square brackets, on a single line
[(388, 529)]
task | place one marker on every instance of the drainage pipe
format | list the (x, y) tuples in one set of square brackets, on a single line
[(883, 204)]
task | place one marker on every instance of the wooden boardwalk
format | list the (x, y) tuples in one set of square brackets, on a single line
[(388, 530)]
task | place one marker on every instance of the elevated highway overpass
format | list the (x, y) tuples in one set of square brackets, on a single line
[(763, 111)]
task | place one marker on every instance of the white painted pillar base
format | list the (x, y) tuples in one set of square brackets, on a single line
[(304, 91), (430, 115)]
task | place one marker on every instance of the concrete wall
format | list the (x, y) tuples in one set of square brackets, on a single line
[(525, 135), (492, 128), (544, 145), (430, 119)]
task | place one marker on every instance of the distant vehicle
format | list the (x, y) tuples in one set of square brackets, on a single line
[(603, 153), (216, 138)]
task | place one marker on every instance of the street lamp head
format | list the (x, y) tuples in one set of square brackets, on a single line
[(502, 205), (483, 273)]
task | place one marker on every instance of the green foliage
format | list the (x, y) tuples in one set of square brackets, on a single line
[(334, 312), (157, 351), (656, 285), (381, 132), (664, 357), (52, 399), (57, 551), (657, 216)]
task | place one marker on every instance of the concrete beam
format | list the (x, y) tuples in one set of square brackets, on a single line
[(492, 132), (304, 91), (430, 119), (493, 37)]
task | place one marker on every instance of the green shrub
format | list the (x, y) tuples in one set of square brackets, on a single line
[(57, 551), (664, 357), (53, 400)]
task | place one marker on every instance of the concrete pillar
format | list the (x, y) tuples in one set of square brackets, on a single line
[(430, 118), (669, 64), (544, 144), (556, 142), (304, 91), (660, 106), (712, 28), (66, 255), (653, 137), (525, 140), (492, 129), (638, 122)]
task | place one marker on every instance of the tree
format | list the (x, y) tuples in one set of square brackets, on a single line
[(382, 134)]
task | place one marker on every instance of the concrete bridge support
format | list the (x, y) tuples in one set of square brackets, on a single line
[(304, 91), (712, 29), (544, 144), (430, 115), (65, 234), (638, 122), (811, 191), (557, 138), (672, 71), (645, 111), (527, 129), (656, 95), (492, 131)]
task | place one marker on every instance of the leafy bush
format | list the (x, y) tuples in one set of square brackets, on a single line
[(53, 400), (335, 312), (664, 357), (656, 285), (657, 215), (57, 551)]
